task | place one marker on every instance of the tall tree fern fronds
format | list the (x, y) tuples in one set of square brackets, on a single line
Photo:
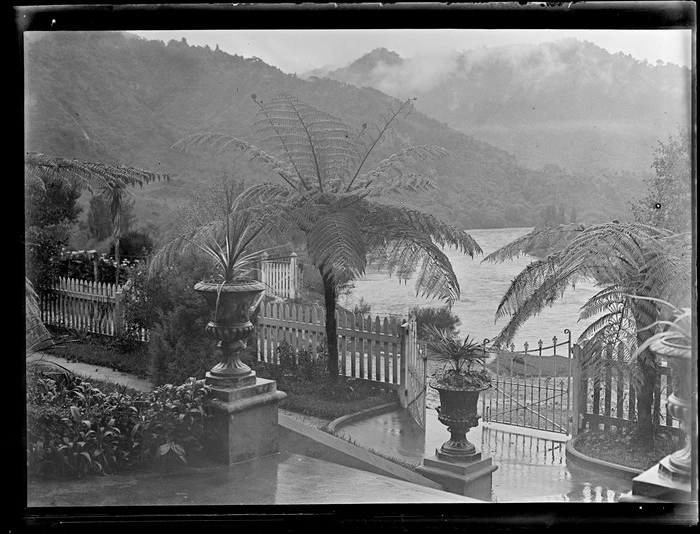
[(520, 306), (406, 252), (538, 239), (226, 145), (386, 176), (377, 217), (369, 138), (83, 175), (317, 145), (606, 299), (337, 246), (539, 280)]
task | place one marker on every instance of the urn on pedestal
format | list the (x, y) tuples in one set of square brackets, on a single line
[(232, 304), (459, 387)]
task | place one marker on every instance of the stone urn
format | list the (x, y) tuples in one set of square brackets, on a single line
[(458, 411), (231, 303), (677, 352)]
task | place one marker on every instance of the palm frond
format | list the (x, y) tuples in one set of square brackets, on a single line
[(83, 175)]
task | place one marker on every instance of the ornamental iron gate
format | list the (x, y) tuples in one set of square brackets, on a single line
[(531, 388)]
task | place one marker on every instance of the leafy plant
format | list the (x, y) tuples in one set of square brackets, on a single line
[(224, 227), (74, 429), (457, 358), (325, 195)]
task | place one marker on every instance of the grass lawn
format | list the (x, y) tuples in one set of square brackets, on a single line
[(99, 351)]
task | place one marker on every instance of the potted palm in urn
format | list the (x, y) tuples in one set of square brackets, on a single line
[(672, 343), (458, 384), (231, 230)]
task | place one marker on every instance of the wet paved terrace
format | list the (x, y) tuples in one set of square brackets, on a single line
[(531, 464)]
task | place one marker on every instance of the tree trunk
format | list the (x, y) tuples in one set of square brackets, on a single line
[(644, 432), (646, 361), (116, 258), (331, 296)]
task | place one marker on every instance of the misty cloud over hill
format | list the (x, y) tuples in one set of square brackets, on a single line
[(567, 102)]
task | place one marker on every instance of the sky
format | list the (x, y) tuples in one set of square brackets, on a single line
[(298, 51)]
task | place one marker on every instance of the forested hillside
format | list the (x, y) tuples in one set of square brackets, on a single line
[(567, 102), (117, 98)]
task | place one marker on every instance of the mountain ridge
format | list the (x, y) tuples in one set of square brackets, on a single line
[(104, 97)]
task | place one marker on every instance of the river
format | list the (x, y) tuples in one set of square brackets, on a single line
[(482, 288)]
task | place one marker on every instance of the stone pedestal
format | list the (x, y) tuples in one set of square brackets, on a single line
[(471, 478), (654, 486), (244, 421)]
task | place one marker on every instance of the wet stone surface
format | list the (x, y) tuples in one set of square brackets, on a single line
[(531, 468)]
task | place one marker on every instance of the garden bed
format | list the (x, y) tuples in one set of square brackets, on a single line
[(622, 448)]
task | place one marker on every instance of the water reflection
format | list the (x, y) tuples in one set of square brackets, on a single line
[(531, 466), (534, 469)]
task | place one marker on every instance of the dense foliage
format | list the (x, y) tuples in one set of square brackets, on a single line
[(430, 318), (74, 429), (50, 210), (668, 202)]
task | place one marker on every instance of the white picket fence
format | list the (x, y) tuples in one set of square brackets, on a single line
[(282, 277), (82, 305), (367, 348)]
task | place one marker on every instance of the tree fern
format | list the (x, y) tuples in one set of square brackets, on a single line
[(624, 259), (326, 195)]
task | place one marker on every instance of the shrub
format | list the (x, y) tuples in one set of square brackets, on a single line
[(75, 429), (179, 346), (441, 318)]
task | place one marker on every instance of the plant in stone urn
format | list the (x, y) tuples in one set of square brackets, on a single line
[(224, 226), (458, 385), (673, 343)]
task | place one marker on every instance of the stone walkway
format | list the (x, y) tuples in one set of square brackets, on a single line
[(531, 464)]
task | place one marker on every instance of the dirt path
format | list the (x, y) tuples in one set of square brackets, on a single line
[(95, 372)]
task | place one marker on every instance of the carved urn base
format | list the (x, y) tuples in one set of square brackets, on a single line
[(458, 411), (232, 304)]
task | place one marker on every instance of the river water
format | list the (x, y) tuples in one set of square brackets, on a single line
[(482, 288)]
